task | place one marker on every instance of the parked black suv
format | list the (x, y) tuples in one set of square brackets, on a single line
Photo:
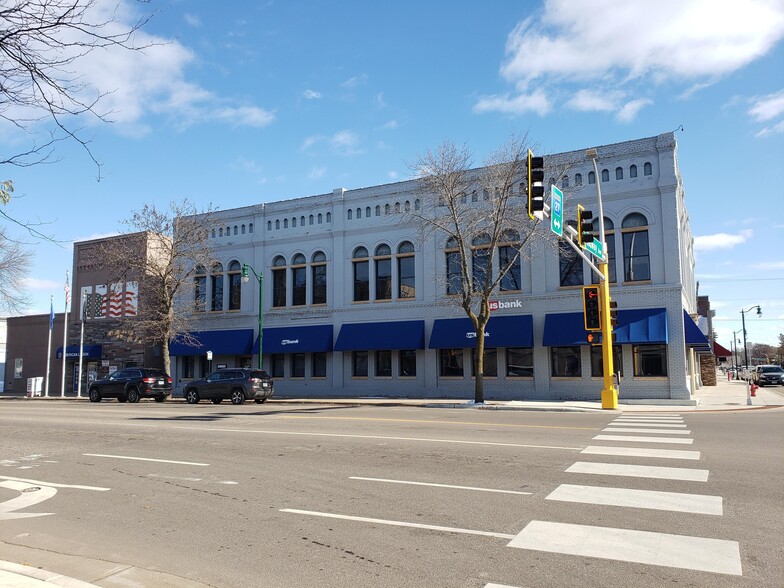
[(132, 384), (237, 384), (767, 374)]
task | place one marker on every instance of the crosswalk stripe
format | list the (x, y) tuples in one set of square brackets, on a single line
[(638, 471), (626, 497), (649, 418), (643, 439), (671, 421), (652, 425), (636, 430), (641, 452), (660, 549)]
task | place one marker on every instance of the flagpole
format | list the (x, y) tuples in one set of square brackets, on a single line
[(65, 331), (49, 344), (81, 345)]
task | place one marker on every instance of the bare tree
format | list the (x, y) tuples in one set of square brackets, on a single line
[(473, 212), (41, 43), (164, 251), (15, 260)]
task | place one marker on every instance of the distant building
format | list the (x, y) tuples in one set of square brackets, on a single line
[(356, 300)]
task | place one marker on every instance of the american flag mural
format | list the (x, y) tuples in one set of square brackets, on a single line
[(116, 300), (100, 301), (131, 298)]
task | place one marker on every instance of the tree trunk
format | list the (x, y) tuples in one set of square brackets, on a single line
[(479, 366)]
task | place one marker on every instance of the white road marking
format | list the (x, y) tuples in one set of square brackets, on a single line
[(500, 586), (641, 452), (638, 471), (654, 500), (659, 549), (643, 439), (647, 424), (29, 495), (55, 484), (439, 485), (173, 478), (629, 417), (145, 459), (657, 431), (380, 437), (398, 523)]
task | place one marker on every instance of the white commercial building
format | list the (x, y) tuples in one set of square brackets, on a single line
[(355, 299)]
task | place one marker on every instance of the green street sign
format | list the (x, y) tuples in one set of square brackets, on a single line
[(556, 210), (595, 247)]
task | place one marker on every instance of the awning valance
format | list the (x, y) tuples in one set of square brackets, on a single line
[(386, 335), (694, 337), (222, 342), (501, 331), (300, 339), (635, 326)]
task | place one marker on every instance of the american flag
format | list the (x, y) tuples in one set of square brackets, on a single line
[(67, 290)]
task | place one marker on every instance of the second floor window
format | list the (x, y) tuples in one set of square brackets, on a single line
[(279, 282), (361, 275), (406, 272), (200, 290), (299, 280), (609, 237), (235, 285), (571, 266), (319, 278), (383, 267), (481, 256), (216, 285), (453, 267), (509, 260), (636, 253)]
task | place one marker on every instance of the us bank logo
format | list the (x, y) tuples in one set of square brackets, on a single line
[(289, 342), (499, 304)]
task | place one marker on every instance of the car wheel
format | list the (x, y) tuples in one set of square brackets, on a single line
[(133, 395), (217, 400), (191, 396), (261, 400), (237, 396), (160, 398), (95, 395)]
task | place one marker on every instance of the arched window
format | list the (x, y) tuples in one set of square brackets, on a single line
[(591, 178), (618, 173), (406, 270), (213, 233), (243, 229), (605, 175), (200, 289), (236, 230), (269, 225), (417, 204), (220, 232), (609, 237), (386, 209), (647, 169), (310, 219), (350, 214), (359, 213), (361, 275), (453, 267), (235, 284), (329, 217), (570, 266), (294, 221), (636, 253), (474, 196), (285, 223), (250, 228), (318, 272), (481, 255), (216, 287), (632, 171), (509, 261), (397, 206), (279, 282), (407, 206), (319, 218), (382, 260), (302, 221), (378, 210), (578, 179), (367, 212), (565, 182), (299, 281)]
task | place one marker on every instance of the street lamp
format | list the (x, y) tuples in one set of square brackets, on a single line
[(743, 321), (246, 269)]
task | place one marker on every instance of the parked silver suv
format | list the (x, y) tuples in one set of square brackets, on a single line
[(236, 384), (767, 375)]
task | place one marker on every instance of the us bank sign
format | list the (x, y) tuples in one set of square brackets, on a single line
[(500, 304)]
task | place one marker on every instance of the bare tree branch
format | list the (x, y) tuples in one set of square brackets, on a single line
[(15, 261)]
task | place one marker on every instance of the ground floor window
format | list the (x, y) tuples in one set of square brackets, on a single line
[(597, 363), (359, 364), (450, 363), (188, 366), (297, 365), (276, 369), (650, 360), (519, 362), (565, 362), (489, 365), (384, 363), (319, 365), (407, 363)]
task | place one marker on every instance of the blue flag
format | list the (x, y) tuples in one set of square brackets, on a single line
[(51, 315)]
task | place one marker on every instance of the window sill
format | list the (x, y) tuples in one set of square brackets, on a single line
[(638, 283), (569, 378), (359, 378)]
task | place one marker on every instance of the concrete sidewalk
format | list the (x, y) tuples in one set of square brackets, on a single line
[(725, 395)]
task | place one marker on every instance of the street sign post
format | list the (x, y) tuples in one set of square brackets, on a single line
[(556, 210)]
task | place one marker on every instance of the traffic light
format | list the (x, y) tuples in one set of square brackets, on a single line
[(592, 308), (613, 313), (584, 226), (535, 184)]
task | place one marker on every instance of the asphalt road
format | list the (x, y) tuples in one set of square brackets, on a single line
[(327, 496)]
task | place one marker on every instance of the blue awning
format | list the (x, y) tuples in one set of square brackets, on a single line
[(694, 337), (227, 342), (303, 339), (501, 331), (635, 326), (88, 351), (388, 335)]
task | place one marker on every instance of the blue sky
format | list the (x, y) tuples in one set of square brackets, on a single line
[(239, 103)]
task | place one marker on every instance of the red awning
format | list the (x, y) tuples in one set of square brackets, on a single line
[(720, 351)]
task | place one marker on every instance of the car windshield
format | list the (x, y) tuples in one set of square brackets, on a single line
[(771, 369)]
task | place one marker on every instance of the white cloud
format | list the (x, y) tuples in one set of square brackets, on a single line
[(769, 265), (774, 130), (310, 141), (535, 102), (611, 47), (390, 125), (39, 284), (721, 240), (345, 142), (355, 81), (311, 95), (246, 116), (317, 172), (192, 20), (767, 107)]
